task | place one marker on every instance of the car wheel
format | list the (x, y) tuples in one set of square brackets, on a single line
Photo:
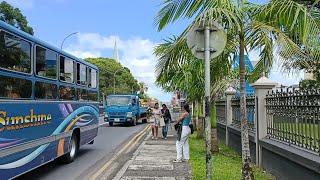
[(110, 123)]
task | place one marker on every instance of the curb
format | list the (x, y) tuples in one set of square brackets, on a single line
[(104, 167)]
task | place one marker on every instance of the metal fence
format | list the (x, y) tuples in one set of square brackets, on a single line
[(221, 111), (236, 112), (293, 116)]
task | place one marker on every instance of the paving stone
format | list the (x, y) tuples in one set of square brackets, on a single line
[(148, 178), (149, 167)]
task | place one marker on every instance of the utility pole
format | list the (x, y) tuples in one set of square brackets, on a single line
[(207, 52), (207, 40)]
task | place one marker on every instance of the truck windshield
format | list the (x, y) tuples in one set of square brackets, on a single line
[(118, 101)]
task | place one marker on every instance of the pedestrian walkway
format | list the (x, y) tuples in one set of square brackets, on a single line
[(153, 160)]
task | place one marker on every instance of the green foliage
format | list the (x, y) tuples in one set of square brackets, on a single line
[(125, 83), (309, 84), (14, 17), (226, 163)]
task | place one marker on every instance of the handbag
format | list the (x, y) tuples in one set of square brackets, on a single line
[(191, 128), (178, 128)]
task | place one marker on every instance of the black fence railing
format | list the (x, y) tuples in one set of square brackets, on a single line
[(236, 112), (293, 116)]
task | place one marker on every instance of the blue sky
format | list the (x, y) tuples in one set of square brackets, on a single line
[(100, 23)]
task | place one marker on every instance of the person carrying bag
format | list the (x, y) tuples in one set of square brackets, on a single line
[(183, 133), (166, 120)]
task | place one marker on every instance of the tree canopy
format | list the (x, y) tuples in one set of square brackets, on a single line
[(14, 17), (111, 71), (279, 29)]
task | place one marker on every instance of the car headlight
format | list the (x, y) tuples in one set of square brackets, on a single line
[(129, 114), (106, 115)]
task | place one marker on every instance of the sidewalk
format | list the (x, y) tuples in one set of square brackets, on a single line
[(153, 160)]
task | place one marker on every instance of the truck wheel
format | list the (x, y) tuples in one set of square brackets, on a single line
[(134, 122), (144, 121), (110, 123), (74, 148)]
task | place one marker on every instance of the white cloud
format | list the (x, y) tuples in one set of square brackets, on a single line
[(84, 54), (277, 74), (135, 53)]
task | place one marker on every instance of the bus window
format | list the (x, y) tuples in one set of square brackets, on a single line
[(92, 96), (45, 91), (89, 77), (93, 78), (82, 95), (15, 88), (67, 93), (66, 69), (15, 53), (81, 74), (46, 63)]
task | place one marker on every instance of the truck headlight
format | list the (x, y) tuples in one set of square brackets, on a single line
[(129, 114)]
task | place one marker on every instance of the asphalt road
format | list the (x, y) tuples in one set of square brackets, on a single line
[(108, 140)]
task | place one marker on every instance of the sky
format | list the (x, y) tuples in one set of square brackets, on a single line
[(100, 22)]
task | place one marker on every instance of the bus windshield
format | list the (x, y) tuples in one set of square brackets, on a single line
[(118, 101)]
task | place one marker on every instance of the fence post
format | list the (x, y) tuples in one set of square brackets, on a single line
[(262, 86), (230, 92)]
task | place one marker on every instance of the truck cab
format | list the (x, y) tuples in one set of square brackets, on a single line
[(124, 109)]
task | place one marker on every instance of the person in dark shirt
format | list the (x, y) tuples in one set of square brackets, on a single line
[(167, 119)]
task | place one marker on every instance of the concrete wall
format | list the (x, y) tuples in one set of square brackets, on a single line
[(221, 132), (281, 160), (235, 142), (289, 163)]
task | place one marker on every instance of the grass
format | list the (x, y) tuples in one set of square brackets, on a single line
[(226, 163)]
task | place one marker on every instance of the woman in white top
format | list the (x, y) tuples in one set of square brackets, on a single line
[(156, 113)]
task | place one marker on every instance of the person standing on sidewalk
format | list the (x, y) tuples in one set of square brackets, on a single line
[(167, 118), (156, 113), (182, 143)]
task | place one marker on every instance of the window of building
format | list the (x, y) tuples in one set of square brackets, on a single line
[(45, 91), (46, 63), (81, 74), (66, 69), (15, 88), (93, 78), (67, 93), (82, 95), (15, 53), (92, 96)]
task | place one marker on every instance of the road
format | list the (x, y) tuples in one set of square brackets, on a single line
[(105, 145)]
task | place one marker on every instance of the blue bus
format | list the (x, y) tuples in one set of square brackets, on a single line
[(48, 103)]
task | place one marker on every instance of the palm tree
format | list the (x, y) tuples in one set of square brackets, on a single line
[(279, 27)]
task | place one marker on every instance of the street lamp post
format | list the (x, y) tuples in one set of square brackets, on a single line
[(114, 80), (67, 38)]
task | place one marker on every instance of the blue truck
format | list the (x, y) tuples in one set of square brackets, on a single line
[(124, 109)]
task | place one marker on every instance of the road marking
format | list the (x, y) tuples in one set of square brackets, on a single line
[(136, 141), (107, 164)]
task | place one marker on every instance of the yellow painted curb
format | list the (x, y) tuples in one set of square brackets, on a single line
[(130, 144)]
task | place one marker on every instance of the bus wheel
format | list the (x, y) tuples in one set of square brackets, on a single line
[(74, 148), (110, 123)]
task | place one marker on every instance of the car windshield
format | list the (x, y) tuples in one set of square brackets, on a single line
[(118, 101)]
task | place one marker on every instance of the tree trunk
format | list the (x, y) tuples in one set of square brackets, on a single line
[(246, 166), (214, 140)]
